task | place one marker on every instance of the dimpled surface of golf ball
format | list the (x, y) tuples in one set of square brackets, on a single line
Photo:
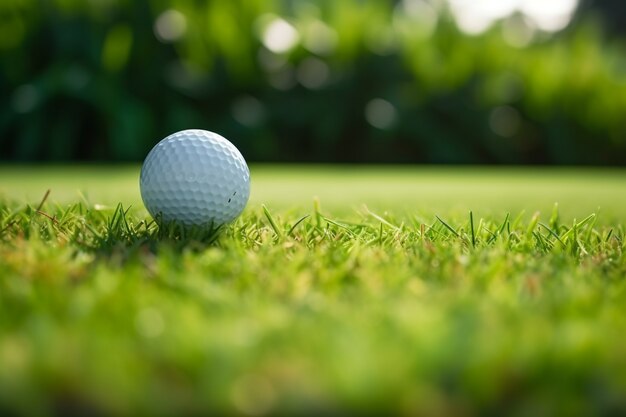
[(195, 177)]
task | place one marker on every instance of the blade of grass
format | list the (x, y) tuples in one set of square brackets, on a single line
[(297, 223), (380, 219), (580, 224), (43, 200), (533, 223), (447, 226), (553, 233), (343, 226), (272, 222), (472, 229), (317, 212), (554, 217), (542, 242), (504, 223), (52, 218)]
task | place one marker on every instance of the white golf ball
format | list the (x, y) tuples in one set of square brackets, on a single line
[(195, 177)]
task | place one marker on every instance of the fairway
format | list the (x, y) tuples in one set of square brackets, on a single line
[(340, 290), (345, 189)]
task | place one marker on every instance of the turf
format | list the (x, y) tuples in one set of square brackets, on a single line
[(408, 291)]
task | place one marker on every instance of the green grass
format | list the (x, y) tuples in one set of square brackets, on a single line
[(413, 291)]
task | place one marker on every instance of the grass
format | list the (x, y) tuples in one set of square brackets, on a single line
[(467, 303)]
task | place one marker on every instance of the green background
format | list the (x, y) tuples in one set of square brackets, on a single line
[(92, 81)]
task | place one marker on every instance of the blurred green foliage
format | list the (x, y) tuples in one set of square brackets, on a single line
[(364, 81)]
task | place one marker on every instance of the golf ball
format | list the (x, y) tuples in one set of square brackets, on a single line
[(195, 177)]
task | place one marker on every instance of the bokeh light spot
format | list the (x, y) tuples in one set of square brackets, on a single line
[(280, 36), (415, 18), (185, 76), (476, 16), (269, 61), (283, 79), (380, 113), (320, 38), (77, 77), (505, 121), (313, 73), (25, 98), (170, 26), (550, 16), (248, 111)]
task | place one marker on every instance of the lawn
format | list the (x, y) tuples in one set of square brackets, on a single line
[(413, 291)]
